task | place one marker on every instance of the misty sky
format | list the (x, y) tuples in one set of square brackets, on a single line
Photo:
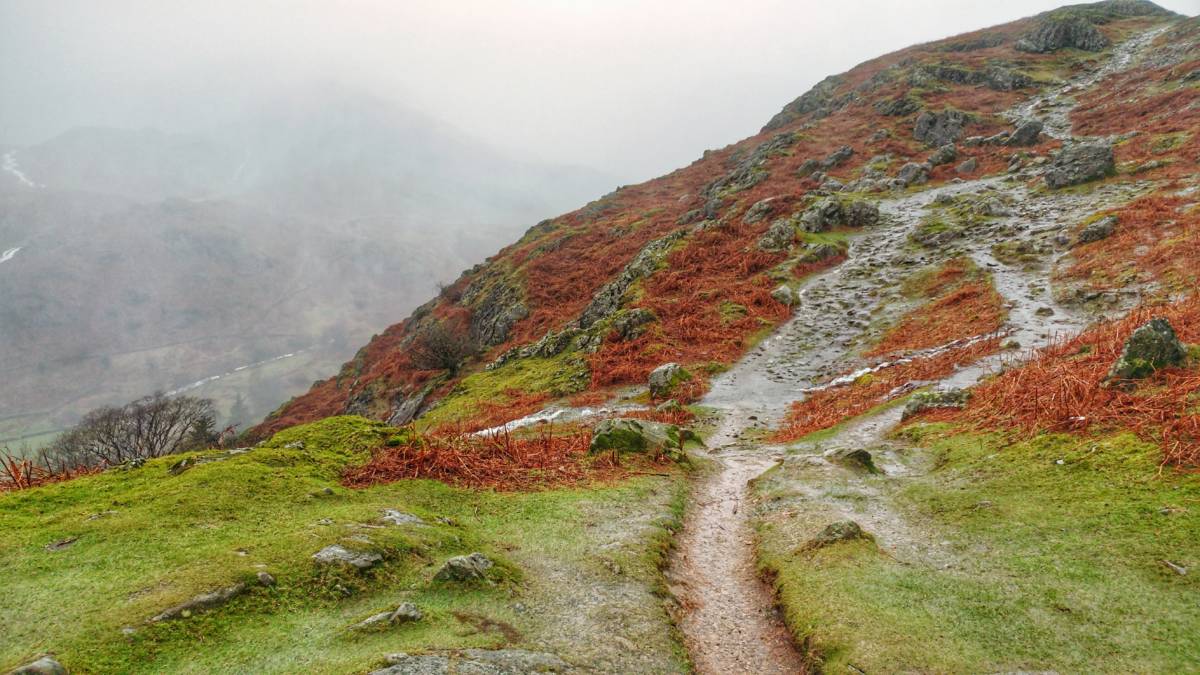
[(633, 87)]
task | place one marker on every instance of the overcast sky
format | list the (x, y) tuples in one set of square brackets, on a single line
[(633, 87)]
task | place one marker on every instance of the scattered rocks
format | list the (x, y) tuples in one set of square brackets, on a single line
[(935, 400), (200, 603), (1026, 134), (1101, 229), (640, 436), (340, 555), (1080, 163), (665, 378), (46, 665), (1057, 31), (465, 568), (834, 533), (936, 129), (1150, 348)]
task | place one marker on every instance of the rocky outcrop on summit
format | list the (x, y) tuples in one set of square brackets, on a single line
[(1053, 34), (820, 99)]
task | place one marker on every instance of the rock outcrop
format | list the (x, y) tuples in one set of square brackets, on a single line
[(936, 129), (1080, 163), (1149, 348), (1056, 32)]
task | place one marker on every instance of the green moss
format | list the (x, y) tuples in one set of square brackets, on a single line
[(561, 375), (1054, 550), (731, 311), (147, 540)]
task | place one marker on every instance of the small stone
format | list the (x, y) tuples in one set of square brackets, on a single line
[(935, 400), (339, 555), (1080, 163), (1176, 568), (405, 613), (400, 518), (1044, 311), (461, 568), (844, 530), (1026, 134), (43, 666), (265, 579)]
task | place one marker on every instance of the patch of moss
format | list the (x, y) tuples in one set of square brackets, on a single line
[(558, 376)]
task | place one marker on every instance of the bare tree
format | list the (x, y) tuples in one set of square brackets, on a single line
[(440, 346), (148, 427)]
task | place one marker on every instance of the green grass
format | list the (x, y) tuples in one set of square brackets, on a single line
[(1057, 566), (161, 539)]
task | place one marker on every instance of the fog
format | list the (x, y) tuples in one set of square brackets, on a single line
[(631, 87)]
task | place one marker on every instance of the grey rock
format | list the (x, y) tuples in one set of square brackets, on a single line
[(339, 555), (936, 129), (898, 107), (420, 664), (1026, 134), (944, 155), (784, 294), (935, 400), (822, 216), (913, 174), (372, 622), (395, 517), (405, 409), (820, 99), (759, 210), (1080, 163), (780, 235), (843, 530), (631, 324), (1101, 229), (406, 612), (837, 157), (497, 303), (640, 437), (465, 568), (665, 378), (967, 167), (808, 167), (265, 579), (46, 665), (1058, 31), (856, 458), (200, 602), (860, 213), (1151, 347)]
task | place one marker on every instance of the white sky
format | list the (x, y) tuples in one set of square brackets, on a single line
[(634, 87)]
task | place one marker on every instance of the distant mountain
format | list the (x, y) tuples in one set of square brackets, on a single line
[(142, 260)]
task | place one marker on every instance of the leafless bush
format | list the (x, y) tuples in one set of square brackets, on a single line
[(441, 346)]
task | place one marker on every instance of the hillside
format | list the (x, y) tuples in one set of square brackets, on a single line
[(908, 381), (149, 260)]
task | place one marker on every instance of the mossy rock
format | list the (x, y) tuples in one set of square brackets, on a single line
[(631, 436)]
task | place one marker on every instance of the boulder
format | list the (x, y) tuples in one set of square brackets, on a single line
[(1148, 349), (780, 235), (1101, 229), (913, 174), (967, 167), (640, 437), (822, 216), (339, 555), (758, 210), (837, 157), (935, 400), (463, 568), (944, 155), (1026, 134), (265, 579), (43, 666), (1058, 31), (860, 213), (665, 378), (855, 458), (1080, 163), (843, 530), (936, 129)]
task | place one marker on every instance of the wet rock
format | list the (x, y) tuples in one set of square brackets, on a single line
[(1150, 348), (759, 210), (944, 155), (665, 378), (394, 517), (936, 129), (611, 296), (407, 407), (200, 603), (1080, 163), (913, 174), (855, 458), (822, 216), (834, 533), (1101, 229), (339, 555), (967, 167), (935, 400), (46, 665), (1057, 31), (832, 185), (1026, 134), (784, 294), (640, 436), (631, 324), (816, 252), (780, 235), (463, 568)]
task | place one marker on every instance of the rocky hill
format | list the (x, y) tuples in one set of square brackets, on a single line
[(906, 382)]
